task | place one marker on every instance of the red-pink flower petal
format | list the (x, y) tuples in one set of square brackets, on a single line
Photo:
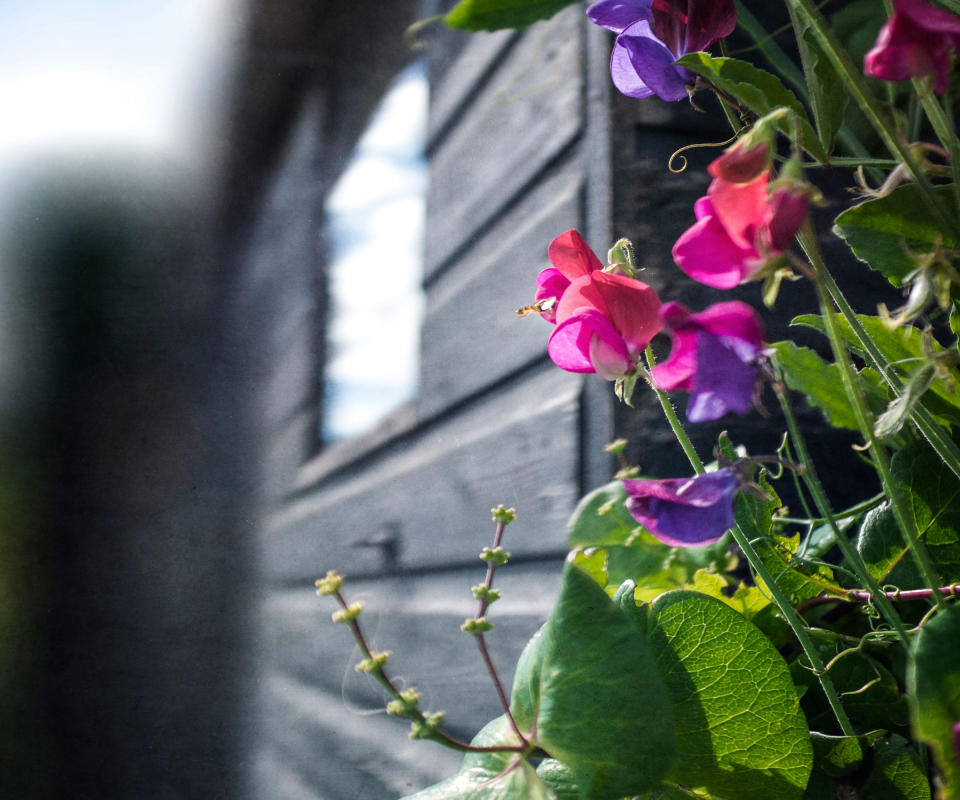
[(550, 283), (707, 254), (572, 256), (788, 212), (585, 336), (741, 164), (741, 207)]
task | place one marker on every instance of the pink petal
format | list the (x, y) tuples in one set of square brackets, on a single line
[(550, 283), (632, 307), (924, 15), (678, 370), (587, 342), (571, 255), (732, 320), (707, 254), (741, 207)]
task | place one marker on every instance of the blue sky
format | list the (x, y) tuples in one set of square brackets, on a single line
[(134, 74), (376, 214)]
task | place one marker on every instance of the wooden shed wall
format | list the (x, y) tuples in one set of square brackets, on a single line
[(515, 122)]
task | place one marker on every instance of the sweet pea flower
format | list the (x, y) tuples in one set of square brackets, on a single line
[(685, 511), (918, 40), (714, 357), (653, 34), (740, 227), (604, 322), (572, 258)]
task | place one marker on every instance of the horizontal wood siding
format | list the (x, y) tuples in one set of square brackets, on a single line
[(435, 489), (527, 114)]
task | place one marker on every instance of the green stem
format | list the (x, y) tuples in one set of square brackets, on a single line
[(940, 118), (939, 441), (780, 599), (850, 553), (875, 114), (878, 453), (672, 418), (799, 630)]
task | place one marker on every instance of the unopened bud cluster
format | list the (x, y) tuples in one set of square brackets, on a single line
[(374, 663), (485, 593), (495, 555), (330, 584), (348, 614), (504, 515), (476, 626), (407, 703), (427, 727)]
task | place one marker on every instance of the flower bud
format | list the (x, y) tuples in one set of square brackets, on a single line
[(743, 162)]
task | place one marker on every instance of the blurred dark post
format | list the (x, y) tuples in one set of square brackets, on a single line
[(125, 482)]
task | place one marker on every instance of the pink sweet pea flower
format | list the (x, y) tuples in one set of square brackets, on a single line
[(714, 357), (685, 511), (604, 322), (918, 40), (739, 228), (572, 258)]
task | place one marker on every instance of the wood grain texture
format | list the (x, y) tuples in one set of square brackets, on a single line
[(435, 489), (341, 754), (529, 111), (470, 317)]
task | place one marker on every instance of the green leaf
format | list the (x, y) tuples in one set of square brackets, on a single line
[(492, 15), (740, 734), (933, 684), (902, 347), (601, 518), (489, 776), (821, 382), (932, 496), (559, 778), (838, 756), (800, 581), (897, 773), (758, 90), (885, 231), (587, 686), (828, 96)]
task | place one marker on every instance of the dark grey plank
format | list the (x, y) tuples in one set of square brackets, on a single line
[(525, 116), (361, 756), (435, 490), (470, 315), (453, 83)]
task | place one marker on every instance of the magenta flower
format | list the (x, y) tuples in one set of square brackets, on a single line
[(653, 34), (572, 258), (685, 511), (916, 41), (604, 322), (739, 228), (714, 357)]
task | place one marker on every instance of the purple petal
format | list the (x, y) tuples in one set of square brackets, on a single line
[(623, 74), (694, 511), (723, 382), (654, 63), (615, 15)]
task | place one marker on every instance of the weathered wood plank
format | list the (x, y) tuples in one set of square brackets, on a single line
[(530, 111), (434, 490), (472, 306), (418, 619), (452, 83), (363, 756)]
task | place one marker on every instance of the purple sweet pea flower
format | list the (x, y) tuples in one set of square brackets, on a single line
[(685, 511), (653, 34), (714, 357)]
